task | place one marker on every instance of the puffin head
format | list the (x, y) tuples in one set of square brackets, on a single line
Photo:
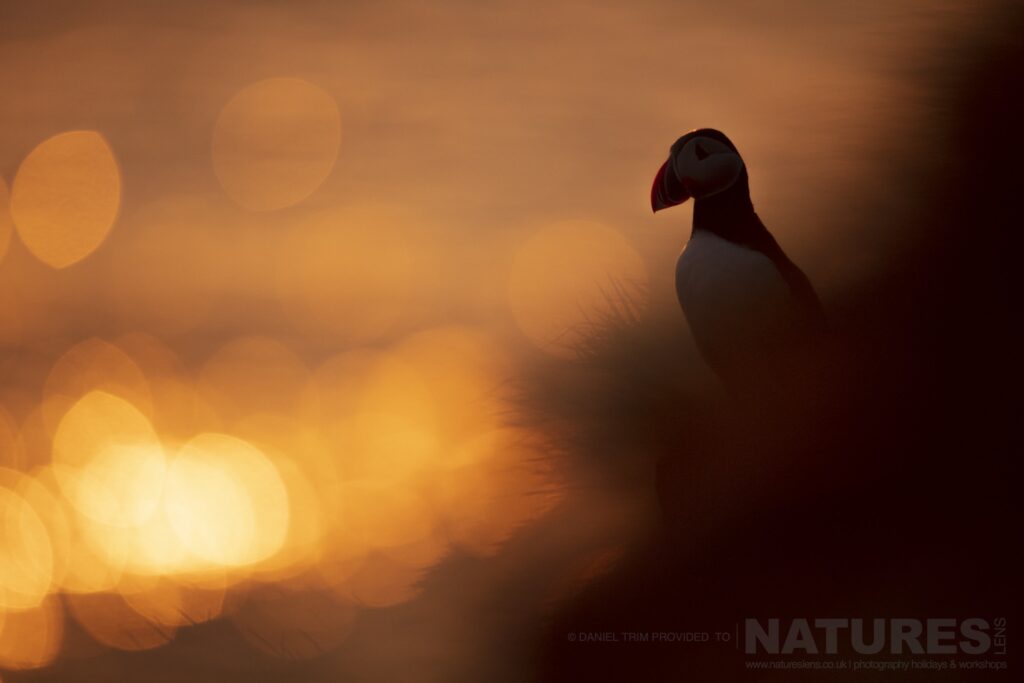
[(702, 163)]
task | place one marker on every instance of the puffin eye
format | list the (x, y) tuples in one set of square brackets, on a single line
[(702, 154)]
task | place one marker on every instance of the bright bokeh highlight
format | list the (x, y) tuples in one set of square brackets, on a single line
[(226, 501), (254, 485)]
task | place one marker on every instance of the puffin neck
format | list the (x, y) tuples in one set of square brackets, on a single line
[(728, 214)]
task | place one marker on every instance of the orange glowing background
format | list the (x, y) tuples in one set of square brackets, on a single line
[(266, 271)]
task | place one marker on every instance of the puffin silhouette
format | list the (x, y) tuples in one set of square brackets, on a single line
[(746, 303)]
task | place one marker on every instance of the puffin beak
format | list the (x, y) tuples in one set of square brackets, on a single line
[(667, 189)]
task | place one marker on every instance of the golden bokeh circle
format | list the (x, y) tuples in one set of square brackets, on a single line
[(26, 555), (275, 142), (66, 196), (111, 462)]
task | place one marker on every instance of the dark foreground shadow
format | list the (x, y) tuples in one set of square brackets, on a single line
[(880, 482)]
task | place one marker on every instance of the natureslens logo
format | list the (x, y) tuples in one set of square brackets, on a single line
[(894, 636)]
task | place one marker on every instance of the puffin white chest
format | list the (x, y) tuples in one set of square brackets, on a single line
[(734, 298)]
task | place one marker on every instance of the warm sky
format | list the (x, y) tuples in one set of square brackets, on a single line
[(465, 127), (306, 230)]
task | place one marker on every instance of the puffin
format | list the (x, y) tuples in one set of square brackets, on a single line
[(746, 303)]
